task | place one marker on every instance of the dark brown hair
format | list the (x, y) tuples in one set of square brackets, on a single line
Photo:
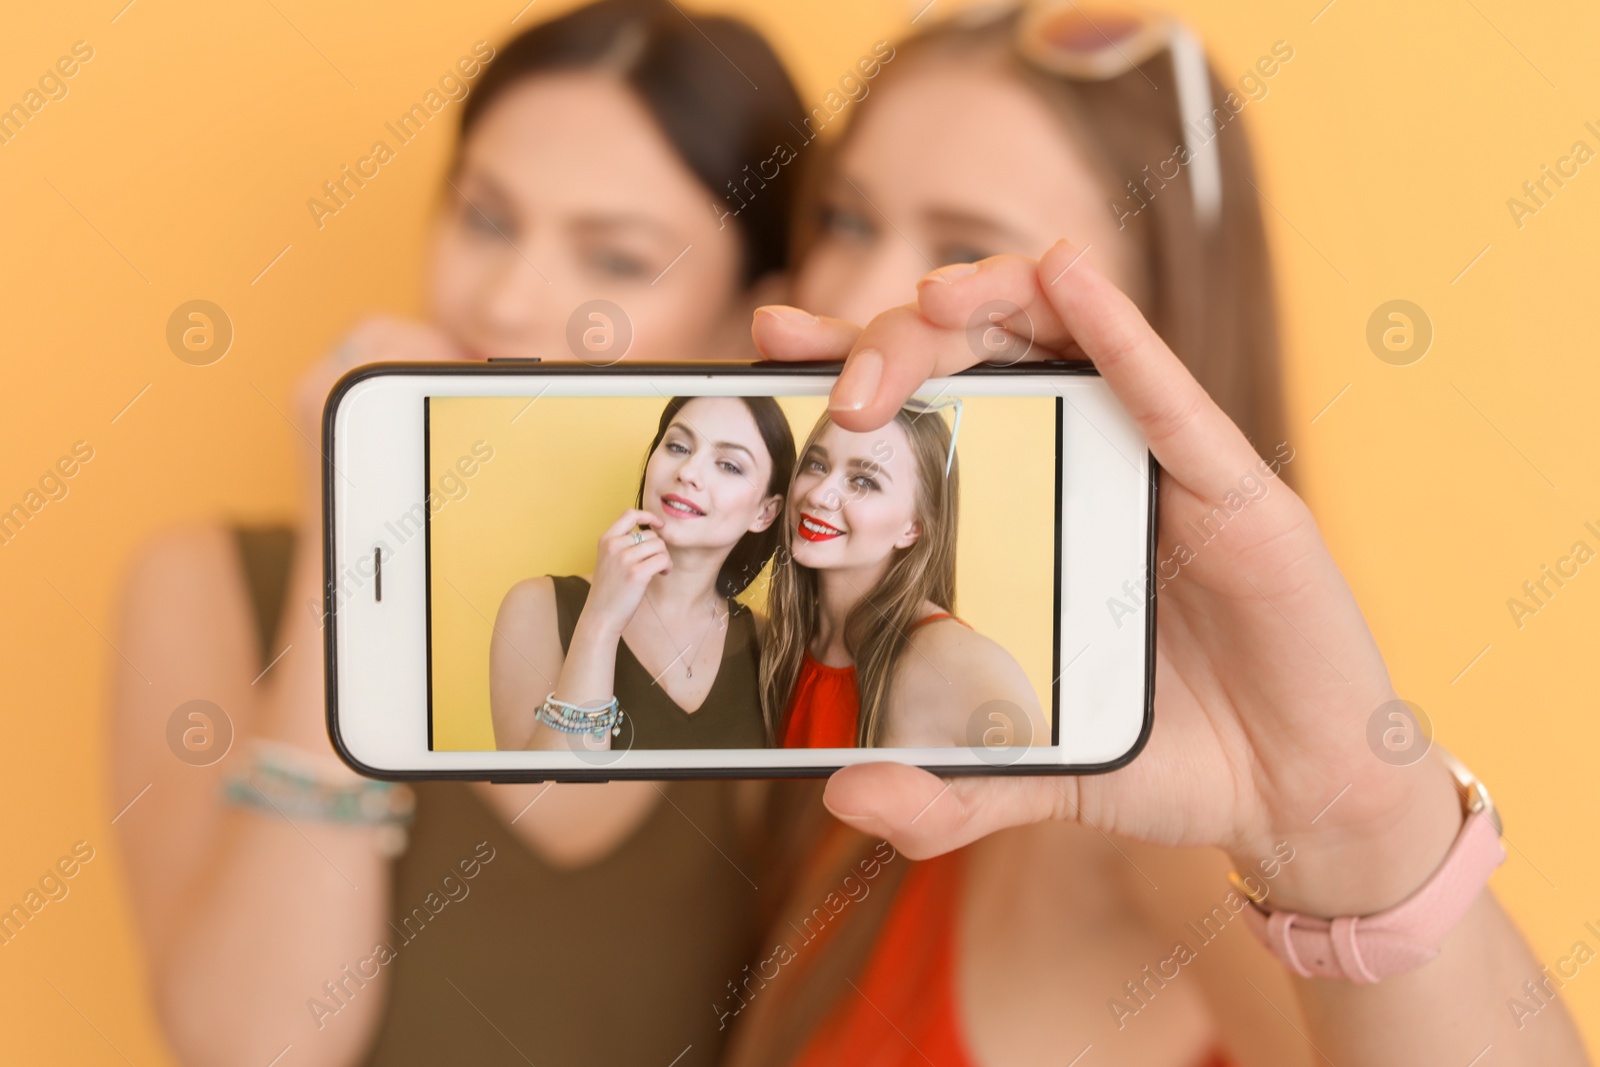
[(1209, 291), (714, 86), (754, 548)]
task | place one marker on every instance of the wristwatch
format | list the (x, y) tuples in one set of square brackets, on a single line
[(1368, 948)]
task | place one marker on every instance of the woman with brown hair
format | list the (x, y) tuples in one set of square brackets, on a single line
[(703, 526), (1086, 920), (289, 917)]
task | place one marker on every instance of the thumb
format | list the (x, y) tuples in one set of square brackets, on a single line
[(923, 815), (1189, 435)]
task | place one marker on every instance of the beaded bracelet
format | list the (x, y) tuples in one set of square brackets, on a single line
[(287, 781), (576, 719)]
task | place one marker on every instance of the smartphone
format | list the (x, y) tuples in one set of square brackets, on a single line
[(518, 556)]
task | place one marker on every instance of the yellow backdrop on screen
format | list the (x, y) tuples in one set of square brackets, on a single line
[(562, 472), (179, 166)]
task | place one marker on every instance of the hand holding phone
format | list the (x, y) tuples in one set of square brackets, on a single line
[(1266, 673), (925, 592)]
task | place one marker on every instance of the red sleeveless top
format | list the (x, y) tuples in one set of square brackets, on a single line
[(826, 704), (904, 1011)]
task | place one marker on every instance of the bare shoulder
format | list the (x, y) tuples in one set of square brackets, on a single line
[(530, 601), (184, 603), (948, 652), (951, 637), (184, 558), (948, 672), (528, 623), (184, 622)]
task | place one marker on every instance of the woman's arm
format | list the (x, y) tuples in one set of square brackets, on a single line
[(1453, 1009), (243, 915), (1266, 676), (525, 660), (568, 825)]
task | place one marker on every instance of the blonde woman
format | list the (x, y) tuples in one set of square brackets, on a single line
[(864, 647), (1055, 920)]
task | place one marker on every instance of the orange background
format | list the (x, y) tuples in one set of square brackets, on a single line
[(178, 167)]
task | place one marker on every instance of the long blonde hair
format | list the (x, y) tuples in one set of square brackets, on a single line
[(875, 631)]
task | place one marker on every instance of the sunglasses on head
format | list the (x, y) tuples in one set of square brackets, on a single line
[(919, 407), (1096, 42)]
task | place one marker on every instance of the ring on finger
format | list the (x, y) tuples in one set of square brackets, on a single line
[(638, 536)]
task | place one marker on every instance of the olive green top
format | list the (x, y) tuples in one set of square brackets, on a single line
[(730, 716), (494, 956)]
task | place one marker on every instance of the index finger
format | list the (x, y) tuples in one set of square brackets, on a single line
[(787, 333), (1189, 434), (628, 520), (1006, 287), (902, 348), (961, 312)]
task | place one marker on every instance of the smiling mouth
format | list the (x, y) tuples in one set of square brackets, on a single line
[(813, 529), (677, 507)]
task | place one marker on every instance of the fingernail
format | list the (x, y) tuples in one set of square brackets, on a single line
[(848, 816), (952, 273), (1063, 247), (785, 313), (1061, 257), (859, 383)]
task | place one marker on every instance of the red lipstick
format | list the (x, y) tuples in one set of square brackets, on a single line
[(814, 529), (678, 507)]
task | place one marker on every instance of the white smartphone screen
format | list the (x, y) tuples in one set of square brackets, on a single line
[(562, 572)]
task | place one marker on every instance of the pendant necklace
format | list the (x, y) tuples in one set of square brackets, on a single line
[(688, 671)]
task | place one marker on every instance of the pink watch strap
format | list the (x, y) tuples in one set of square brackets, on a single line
[(1367, 948)]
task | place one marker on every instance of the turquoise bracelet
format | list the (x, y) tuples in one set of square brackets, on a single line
[(576, 719), (280, 779)]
